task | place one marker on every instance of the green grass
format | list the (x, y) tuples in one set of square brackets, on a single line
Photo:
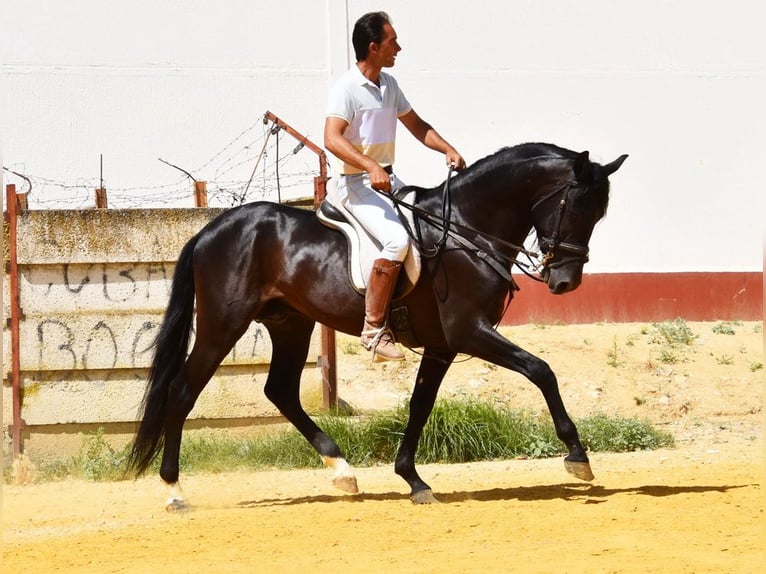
[(675, 333), (726, 327), (457, 431), (675, 339)]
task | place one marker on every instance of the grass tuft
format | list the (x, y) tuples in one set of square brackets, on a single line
[(674, 337)]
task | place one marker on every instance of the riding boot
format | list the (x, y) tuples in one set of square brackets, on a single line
[(376, 336)]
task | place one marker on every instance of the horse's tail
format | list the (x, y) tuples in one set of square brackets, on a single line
[(170, 349)]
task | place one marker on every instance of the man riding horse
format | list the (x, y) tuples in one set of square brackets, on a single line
[(360, 130)]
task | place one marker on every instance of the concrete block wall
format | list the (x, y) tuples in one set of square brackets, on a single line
[(93, 290)]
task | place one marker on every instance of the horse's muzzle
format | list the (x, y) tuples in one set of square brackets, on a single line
[(563, 279)]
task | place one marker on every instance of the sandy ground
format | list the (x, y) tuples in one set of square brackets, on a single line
[(695, 508)]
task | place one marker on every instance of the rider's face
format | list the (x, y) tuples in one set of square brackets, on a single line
[(388, 47)]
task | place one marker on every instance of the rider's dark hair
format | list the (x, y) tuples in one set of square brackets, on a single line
[(369, 28)]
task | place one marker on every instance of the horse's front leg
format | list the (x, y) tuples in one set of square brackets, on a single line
[(432, 369), (489, 345)]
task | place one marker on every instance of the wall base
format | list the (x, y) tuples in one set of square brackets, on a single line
[(631, 297)]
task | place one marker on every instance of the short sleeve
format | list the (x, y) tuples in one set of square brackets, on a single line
[(340, 102)]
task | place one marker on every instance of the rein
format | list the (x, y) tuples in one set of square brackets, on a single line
[(467, 236), (460, 233)]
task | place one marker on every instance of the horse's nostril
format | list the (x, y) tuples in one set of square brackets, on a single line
[(560, 287)]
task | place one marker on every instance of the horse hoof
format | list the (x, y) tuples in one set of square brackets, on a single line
[(579, 470), (424, 497), (177, 505), (346, 484)]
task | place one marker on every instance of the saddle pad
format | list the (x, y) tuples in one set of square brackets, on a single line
[(363, 248)]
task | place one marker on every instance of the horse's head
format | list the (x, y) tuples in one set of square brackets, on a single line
[(565, 216)]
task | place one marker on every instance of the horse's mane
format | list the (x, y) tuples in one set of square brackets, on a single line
[(518, 154), (523, 152)]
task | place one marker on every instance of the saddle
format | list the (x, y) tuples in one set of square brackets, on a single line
[(363, 249)]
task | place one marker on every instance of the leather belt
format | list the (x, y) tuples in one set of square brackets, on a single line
[(389, 169)]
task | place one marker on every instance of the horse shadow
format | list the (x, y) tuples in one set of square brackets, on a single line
[(593, 494)]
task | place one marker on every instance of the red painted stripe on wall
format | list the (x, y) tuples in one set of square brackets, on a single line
[(635, 297)]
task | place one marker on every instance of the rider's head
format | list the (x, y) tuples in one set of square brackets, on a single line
[(368, 29)]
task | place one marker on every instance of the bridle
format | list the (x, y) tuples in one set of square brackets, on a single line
[(553, 244)]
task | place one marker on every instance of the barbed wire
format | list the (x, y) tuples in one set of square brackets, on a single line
[(234, 179)]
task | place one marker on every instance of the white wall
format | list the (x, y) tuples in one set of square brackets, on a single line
[(679, 85)]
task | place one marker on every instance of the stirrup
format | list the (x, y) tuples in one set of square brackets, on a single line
[(376, 335), (374, 344)]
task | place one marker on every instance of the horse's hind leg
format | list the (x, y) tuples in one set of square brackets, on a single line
[(290, 340), (212, 344)]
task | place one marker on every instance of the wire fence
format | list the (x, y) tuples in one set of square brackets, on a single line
[(258, 164)]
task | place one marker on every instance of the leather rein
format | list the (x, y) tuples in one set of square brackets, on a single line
[(470, 238)]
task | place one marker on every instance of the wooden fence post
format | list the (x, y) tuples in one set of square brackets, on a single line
[(101, 198), (200, 193)]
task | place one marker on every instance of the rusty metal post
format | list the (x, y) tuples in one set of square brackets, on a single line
[(12, 202), (328, 363), (101, 198), (200, 193)]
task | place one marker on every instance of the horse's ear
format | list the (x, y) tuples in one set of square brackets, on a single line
[(610, 168), (581, 167)]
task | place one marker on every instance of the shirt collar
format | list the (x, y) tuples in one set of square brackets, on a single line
[(362, 80)]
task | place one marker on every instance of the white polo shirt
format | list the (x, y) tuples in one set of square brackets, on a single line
[(371, 112)]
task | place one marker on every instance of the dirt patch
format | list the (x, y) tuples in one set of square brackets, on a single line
[(695, 508)]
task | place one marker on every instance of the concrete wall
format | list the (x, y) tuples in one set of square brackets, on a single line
[(94, 286)]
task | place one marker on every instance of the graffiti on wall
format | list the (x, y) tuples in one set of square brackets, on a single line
[(104, 316)]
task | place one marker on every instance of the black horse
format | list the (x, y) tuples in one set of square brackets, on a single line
[(280, 266)]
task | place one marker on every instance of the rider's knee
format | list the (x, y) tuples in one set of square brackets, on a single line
[(396, 245)]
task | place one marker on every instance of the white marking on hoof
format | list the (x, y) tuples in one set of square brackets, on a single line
[(579, 470), (424, 497), (174, 506), (176, 501), (343, 478)]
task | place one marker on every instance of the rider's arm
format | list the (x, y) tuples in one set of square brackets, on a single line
[(344, 150), (428, 136)]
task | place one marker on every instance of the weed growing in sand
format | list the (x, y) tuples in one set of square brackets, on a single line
[(23, 471), (674, 337), (726, 327), (613, 354), (350, 347), (724, 359)]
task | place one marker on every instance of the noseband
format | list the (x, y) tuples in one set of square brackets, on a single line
[(553, 244)]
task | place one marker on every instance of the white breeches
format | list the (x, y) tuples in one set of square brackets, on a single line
[(376, 213)]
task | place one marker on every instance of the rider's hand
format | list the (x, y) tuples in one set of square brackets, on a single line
[(380, 180), (455, 159)]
